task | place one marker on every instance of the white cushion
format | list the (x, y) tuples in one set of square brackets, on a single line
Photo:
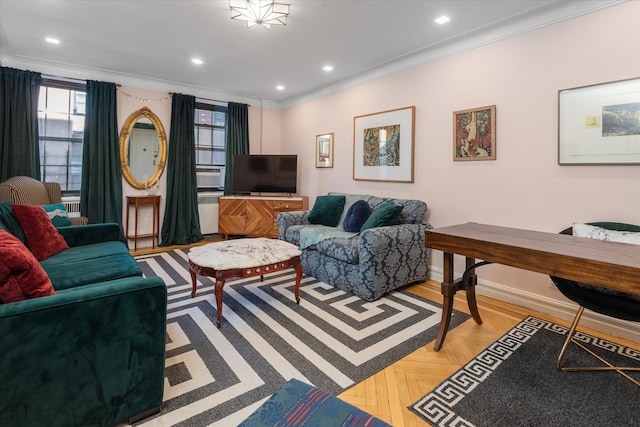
[(599, 233)]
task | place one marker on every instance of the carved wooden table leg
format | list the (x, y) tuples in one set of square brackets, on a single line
[(298, 268), (217, 291)]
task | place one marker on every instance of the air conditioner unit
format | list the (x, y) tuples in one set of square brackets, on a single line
[(211, 177), (208, 212)]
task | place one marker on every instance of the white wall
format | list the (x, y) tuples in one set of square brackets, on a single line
[(524, 187)]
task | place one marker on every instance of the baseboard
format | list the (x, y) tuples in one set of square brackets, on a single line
[(564, 310)]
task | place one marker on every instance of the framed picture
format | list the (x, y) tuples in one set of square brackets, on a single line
[(324, 150), (600, 124), (383, 145), (474, 134)]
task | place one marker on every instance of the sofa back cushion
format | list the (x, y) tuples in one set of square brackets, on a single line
[(327, 210), (21, 276)]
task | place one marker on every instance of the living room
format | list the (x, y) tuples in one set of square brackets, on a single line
[(524, 187)]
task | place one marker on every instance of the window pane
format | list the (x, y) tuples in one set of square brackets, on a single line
[(203, 157), (56, 152), (75, 178), (219, 117), (57, 100), (56, 174), (218, 157), (79, 102), (219, 137), (203, 117), (77, 126), (204, 137), (57, 125)]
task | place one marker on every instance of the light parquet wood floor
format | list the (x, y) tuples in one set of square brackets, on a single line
[(388, 393)]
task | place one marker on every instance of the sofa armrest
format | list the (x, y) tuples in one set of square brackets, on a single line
[(80, 235), (378, 244), (92, 355), (287, 219)]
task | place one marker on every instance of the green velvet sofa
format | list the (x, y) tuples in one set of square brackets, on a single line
[(93, 354)]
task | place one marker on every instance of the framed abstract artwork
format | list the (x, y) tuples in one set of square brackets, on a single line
[(324, 150), (383, 145), (600, 124), (474, 134)]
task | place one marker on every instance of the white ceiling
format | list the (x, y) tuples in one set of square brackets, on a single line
[(150, 44)]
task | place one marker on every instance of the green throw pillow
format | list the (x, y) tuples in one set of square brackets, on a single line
[(327, 210), (385, 214), (58, 214)]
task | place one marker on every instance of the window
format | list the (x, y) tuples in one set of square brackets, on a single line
[(61, 111), (210, 134)]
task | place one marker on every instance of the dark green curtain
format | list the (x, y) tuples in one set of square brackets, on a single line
[(181, 225), (19, 144), (237, 139), (101, 189)]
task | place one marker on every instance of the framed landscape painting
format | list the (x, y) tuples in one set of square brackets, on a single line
[(383, 145), (600, 124), (474, 134)]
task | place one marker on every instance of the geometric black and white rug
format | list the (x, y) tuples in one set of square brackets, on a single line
[(332, 340), (516, 382)]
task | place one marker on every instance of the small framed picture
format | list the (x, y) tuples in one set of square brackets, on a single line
[(474, 134), (324, 150)]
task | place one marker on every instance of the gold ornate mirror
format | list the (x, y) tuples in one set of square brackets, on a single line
[(143, 149)]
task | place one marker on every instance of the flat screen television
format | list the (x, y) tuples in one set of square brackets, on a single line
[(265, 173)]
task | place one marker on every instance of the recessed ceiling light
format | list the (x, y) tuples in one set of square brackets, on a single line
[(197, 61), (52, 40), (443, 19), (327, 68), (280, 87)]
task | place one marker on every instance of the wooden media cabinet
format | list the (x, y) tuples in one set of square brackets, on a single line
[(255, 215)]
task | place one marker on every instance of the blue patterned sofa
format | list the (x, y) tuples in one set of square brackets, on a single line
[(371, 263)]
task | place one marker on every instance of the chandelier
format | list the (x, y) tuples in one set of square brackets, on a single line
[(259, 12)]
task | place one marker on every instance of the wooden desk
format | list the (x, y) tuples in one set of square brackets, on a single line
[(612, 265), (136, 202)]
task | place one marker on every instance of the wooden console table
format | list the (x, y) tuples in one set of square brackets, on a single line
[(136, 202), (612, 265)]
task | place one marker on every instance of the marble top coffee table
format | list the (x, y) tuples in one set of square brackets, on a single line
[(242, 258)]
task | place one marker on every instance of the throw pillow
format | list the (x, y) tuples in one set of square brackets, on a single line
[(385, 214), (57, 214), (356, 216), (326, 210), (599, 233), (42, 237), (21, 276)]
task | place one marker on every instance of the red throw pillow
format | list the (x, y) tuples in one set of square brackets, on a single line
[(21, 275), (42, 237)]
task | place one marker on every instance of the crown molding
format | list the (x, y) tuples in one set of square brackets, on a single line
[(463, 43)]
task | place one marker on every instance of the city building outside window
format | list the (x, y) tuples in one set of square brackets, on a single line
[(61, 113)]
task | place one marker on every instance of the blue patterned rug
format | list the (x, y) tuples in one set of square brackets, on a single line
[(515, 382), (332, 340)]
